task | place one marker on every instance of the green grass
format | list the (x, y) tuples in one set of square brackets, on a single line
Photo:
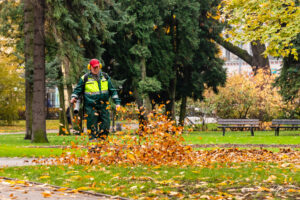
[(54, 139), (20, 125), (13, 145), (9, 151), (161, 181), (243, 137)]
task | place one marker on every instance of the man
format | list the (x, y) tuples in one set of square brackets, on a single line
[(96, 88)]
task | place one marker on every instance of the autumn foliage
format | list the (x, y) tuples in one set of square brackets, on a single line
[(11, 84), (248, 96)]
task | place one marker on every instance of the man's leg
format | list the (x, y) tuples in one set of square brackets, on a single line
[(92, 120), (104, 124)]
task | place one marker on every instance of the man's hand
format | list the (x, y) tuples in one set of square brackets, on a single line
[(73, 100), (118, 108)]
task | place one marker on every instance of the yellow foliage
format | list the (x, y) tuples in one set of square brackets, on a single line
[(275, 23), (11, 85), (248, 96)]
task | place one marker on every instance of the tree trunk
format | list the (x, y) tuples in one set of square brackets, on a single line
[(71, 110), (38, 109), (66, 77), (142, 112), (259, 61), (172, 94), (182, 110), (173, 83), (28, 49), (241, 53), (146, 99), (63, 121)]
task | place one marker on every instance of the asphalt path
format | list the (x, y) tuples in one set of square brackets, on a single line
[(26, 190)]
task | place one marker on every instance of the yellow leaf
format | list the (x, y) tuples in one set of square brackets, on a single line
[(131, 157), (292, 190), (62, 189), (264, 189), (83, 188), (44, 177)]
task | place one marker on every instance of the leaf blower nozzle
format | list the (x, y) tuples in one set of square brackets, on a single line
[(77, 107)]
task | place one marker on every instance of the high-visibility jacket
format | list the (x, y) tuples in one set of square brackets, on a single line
[(96, 91)]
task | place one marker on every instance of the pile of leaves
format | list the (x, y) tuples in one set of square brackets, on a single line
[(161, 143)]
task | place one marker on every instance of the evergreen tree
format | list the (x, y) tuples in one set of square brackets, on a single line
[(289, 79), (39, 90), (77, 31), (131, 54)]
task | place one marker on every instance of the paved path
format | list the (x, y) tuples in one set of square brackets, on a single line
[(23, 132), (126, 126), (11, 162), (21, 161), (25, 190)]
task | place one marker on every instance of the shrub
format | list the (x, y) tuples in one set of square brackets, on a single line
[(248, 96)]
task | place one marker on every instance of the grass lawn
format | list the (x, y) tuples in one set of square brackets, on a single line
[(20, 125), (243, 137), (15, 146), (10, 151), (54, 139), (163, 182)]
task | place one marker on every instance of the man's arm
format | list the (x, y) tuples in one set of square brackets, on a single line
[(113, 92), (77, 91)]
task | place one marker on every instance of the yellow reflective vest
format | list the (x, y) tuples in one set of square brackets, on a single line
[(95, 91)]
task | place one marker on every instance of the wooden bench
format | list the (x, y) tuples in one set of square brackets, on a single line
[(284, 123), (239, 123)]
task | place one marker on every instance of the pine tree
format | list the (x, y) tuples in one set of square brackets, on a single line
[(289, 79)]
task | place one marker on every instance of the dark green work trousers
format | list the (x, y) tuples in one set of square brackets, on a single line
[(98, 122)]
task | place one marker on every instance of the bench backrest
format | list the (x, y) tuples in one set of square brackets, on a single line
[(254, 122), (286, 122)]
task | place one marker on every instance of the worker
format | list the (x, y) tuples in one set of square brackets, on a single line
[(95, 87)]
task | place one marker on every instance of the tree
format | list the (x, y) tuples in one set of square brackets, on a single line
[(11, 84), (260, 23), (206, 69), (19, 28), (131, 55), (28, 52), (82, 27), (275, 23), (289, 79), (38, 107)]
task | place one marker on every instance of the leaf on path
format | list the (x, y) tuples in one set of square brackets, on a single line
[(61, 189), (46, 194)]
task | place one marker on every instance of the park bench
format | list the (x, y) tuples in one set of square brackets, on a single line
[(239, 123), (285, 123)]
